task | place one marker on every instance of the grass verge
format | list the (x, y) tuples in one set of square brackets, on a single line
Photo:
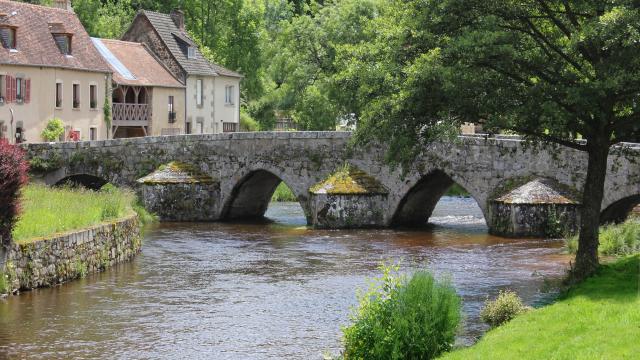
[(283, 193), (615, 240), (596, 319), (47, 211)]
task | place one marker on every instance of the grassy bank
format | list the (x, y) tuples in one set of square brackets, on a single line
[(47, 211), (597, 319), (615, 240), (283, 193)]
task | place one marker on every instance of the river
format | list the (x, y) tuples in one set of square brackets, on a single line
[(274, 290)]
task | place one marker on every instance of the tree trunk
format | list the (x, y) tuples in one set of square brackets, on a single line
[(587, 256)]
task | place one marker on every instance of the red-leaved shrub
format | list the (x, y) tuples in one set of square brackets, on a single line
[(13, 174)]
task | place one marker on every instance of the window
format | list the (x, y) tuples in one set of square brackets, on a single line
[(3, 89), (93, 97), (93, 133), (228, 94), (188, 128), (8, 37), (3, 130), (58, 95), (19, 89), (170, 103), (64, 43), (191, 52), (199, 92), (76, 96), (172, 114)]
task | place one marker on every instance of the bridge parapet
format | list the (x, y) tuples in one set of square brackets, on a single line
[(250, 165)]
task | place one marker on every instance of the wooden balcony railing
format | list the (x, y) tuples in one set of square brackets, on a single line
[(229, 127), (131, 114)]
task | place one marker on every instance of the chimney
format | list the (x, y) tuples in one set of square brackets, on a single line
[(62, 4), (178, 18)]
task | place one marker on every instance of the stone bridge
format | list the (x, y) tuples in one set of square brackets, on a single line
[(247, 167)]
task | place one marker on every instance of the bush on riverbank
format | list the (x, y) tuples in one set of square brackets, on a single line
[(503, 309), (13, 175), (283, 194), (403, 318), (596, 319), (48, 211), (615, 240)]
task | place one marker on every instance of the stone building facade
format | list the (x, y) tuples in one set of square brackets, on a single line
[(212, 94)]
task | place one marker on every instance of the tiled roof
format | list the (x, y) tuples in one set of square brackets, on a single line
[(35, 44), (133, 64), (177, 41)]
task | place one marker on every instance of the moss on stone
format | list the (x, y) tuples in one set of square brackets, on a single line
[(177, 173), (349, 180)]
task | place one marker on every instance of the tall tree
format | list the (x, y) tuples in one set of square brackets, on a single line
[(547, 69)]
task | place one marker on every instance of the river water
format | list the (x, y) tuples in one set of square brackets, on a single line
[(264, 291)]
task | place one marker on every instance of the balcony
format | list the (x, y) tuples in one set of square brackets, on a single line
[(124, 114), (229, 127)]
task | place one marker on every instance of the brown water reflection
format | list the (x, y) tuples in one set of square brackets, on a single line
[(258, 291)]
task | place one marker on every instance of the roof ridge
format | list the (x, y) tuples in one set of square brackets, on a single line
[(39, 6)]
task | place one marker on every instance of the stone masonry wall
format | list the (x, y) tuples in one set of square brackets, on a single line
[(55, 260), (480, 164)]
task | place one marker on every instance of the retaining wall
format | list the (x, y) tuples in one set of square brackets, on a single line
[(73, 255)]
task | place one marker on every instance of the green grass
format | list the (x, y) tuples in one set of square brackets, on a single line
[(615, 240), (283, 193), (47, 211), (597, 319)]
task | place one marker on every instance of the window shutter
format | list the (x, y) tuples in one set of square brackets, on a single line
[(7, 88), (14, 89), (27, 91)]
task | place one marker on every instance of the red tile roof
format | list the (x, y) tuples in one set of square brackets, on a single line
[(35, 45), (139, 61)]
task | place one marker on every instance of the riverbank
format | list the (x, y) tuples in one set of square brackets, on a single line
[(66, 233), (596, 319), (47, 211)]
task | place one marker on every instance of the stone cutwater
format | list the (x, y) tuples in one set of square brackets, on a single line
[(348, 198), (538, 208), (180, 192)]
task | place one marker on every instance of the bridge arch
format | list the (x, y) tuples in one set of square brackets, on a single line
[(419, 198), (250, 196), (619, 210), (88, 181)]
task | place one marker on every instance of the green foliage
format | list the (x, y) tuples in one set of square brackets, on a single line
[(247, 123), (47, 211), (106, 19), (457, 190), (615, 239), (403, 318), (39, 164), (283, 194), (505, 307), (4, 283), (53, 131), (577, 326), (80, 268)]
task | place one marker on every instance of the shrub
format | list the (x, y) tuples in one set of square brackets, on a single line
[(53, 131), (401, 318), (13, 175), (247, 123), (504, 308), (616, 239)]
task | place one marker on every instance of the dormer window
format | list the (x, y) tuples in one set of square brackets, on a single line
[(191, 52), (8, 37), (64, 43)]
